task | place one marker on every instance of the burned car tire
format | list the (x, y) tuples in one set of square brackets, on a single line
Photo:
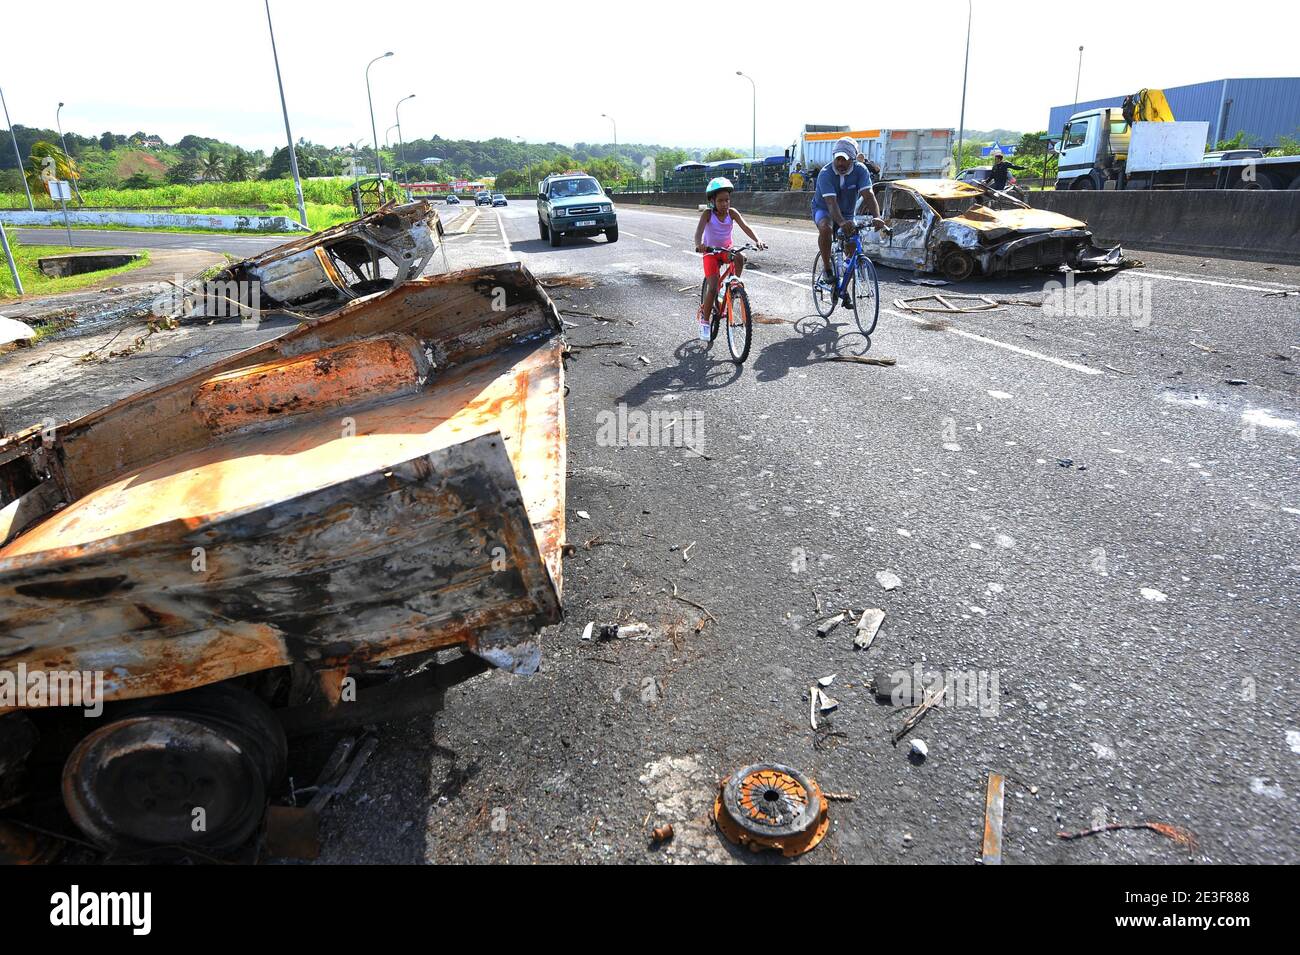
[(189, 770), (956, 265)]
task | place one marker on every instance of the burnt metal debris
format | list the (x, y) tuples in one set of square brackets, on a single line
[(771, 806), (385, 479)]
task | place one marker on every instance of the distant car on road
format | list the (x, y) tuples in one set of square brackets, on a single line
[(483, 198), (499, 200), (573, 203), (453, 200)]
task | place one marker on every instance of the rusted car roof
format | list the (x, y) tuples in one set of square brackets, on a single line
[(940, 188), (1016, 220)]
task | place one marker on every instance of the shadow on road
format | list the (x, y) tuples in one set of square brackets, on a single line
[(817, 339), (697, 369), (542, 245)]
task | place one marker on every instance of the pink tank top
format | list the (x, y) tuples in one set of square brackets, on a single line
[(717, 232)]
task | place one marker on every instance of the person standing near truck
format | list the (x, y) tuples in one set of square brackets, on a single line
[(1000, 173)]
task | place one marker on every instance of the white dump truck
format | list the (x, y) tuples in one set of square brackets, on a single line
[(900, 153)]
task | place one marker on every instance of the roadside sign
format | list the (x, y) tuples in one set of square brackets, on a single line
[(60, 189)]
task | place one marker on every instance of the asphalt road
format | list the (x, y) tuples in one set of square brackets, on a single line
[(1089, 520), (239, 245)]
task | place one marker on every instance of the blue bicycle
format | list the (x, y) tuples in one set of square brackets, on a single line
[(856, 285)]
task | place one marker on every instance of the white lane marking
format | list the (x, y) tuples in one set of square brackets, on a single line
[(1029, 353), (1196, 278), (505, 242), (647, 239), (1138, 273)]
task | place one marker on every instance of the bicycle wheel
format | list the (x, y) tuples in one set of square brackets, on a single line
[(866, 296), (740, 325), (823, 296)]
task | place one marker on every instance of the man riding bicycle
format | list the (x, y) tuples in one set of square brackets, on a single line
[(840, 186)]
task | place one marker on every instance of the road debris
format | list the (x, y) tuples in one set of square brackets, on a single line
[(686, 554), (868, 626), (662, 834), (700, 607), (992, 849), (584, 515), (12, 330), (771, 806), (1183, 837), (864, 359), (840, 797), (586, 631), (888, 579), (919, 749), (1283, 292), (826, 626), (931, 700), (824, 703), (950, 304), (826, 680), (294, 831)]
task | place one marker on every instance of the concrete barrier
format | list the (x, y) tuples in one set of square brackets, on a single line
[(1255, 224), (151, 220)]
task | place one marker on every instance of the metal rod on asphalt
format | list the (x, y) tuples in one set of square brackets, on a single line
[(17, 155), (961, 133), (288, 134), (379, 162), (9, 257)]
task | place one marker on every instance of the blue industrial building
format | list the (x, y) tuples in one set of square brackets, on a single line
[(1266, 109)]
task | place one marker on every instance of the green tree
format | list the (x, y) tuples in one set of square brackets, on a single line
[(212, 167), (185, 172), (139, 180), (240, 168), (720, 154)]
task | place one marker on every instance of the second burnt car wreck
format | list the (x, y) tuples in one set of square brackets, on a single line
[(228, 550), (963, 229)]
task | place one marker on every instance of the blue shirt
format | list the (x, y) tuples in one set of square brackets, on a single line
[(845, 188)]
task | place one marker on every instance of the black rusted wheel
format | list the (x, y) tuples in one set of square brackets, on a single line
[(956, 265), (189, 770)]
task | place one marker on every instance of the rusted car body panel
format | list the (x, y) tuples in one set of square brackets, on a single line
[(317, 274), (386, 480), (931, 218)]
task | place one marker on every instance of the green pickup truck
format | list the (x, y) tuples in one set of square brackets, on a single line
[(574, 204)]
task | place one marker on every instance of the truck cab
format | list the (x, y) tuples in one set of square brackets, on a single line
[(1094, 146)]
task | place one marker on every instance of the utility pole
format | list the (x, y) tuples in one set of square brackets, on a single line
[(288, 134), (379, 163), (965, 70), (17, 155)]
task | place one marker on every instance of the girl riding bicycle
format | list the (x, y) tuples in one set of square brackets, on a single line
[(714, 230)]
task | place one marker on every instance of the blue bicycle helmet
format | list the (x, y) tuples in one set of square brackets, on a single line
[(717, 185)]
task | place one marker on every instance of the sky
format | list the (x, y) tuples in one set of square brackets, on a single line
[(664, 69)]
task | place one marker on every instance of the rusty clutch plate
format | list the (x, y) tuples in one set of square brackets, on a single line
[(771, 806)]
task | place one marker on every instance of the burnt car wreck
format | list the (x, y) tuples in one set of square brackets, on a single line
[(317, 274), (961, 229), (227, 552)]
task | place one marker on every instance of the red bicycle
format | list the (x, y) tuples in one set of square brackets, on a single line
[(732, 303)]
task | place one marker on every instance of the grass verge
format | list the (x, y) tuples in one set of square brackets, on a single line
[(35, 282)]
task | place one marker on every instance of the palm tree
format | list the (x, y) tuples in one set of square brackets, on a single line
[(239, 168), (212, 168)]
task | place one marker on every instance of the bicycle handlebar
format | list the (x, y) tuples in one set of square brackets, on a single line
[(731, 251)]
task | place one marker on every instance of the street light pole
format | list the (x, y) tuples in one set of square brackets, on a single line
[(379, 163), (1077, 76), (288, 133), (17, 155), (754, 87), (64, 139), (618, 165), (961, 133), (401, 147), (527, 176)]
